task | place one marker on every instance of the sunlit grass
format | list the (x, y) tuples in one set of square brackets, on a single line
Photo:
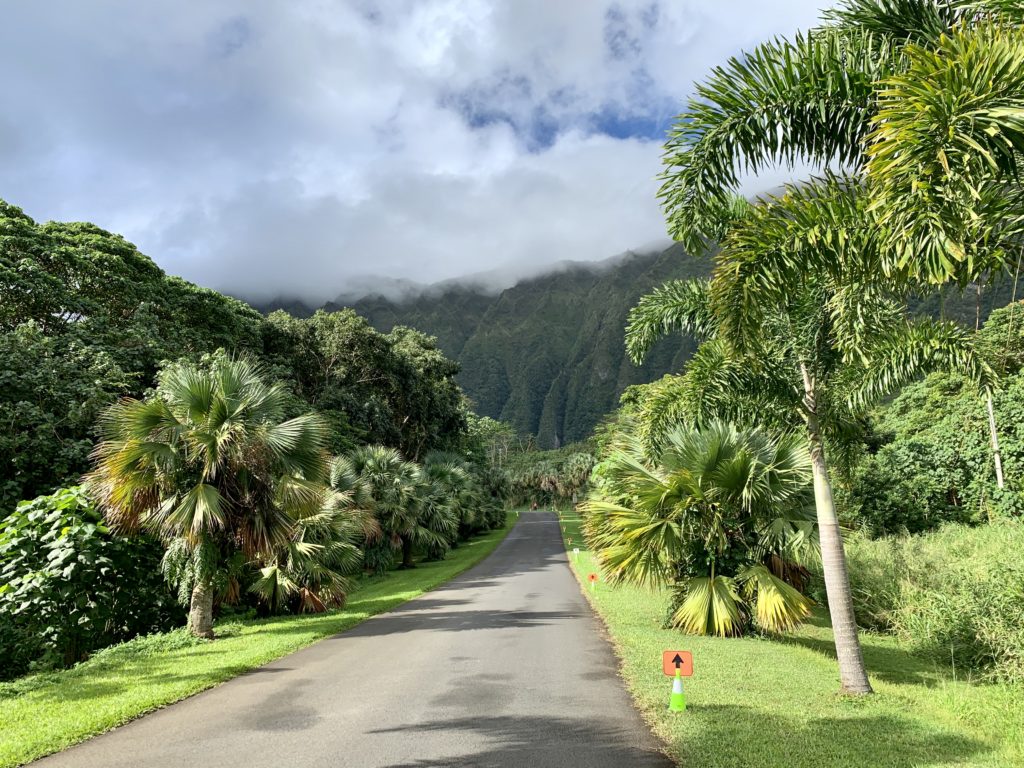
[(765, 703), (45, 713)]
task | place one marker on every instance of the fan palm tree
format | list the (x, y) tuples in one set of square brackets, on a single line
[(443, 503), (312, 572), (392, 484), (803, 346), (210, 462), (719, 517)]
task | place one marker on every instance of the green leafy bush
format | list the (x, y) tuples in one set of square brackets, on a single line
[(956, 594), (932, 462), (69, 587)]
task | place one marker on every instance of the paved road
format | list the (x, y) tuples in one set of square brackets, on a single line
[(503, 666)]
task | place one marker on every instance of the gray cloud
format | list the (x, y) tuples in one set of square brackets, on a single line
[(287, 148)]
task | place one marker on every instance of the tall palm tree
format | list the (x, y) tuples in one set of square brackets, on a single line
[(922, 101), (719, 516), (209, 461), (796, 334)]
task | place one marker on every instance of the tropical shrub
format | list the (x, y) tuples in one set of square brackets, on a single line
[(391, 484), (955, 594), (722, 517), (68, 586), (935, 461)]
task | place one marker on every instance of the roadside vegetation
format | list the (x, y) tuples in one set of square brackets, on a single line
[(770, 700), (176, 458), (805, 333)]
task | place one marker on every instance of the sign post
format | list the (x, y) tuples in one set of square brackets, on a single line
[(677, 665)]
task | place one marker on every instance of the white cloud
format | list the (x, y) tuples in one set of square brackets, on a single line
[(268, 148)]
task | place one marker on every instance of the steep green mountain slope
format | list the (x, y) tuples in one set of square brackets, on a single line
[(546, 355)]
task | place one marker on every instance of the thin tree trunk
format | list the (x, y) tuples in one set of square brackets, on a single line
[(852, 673), (995, 440), (407, 552), (200, 612), (992, 432)]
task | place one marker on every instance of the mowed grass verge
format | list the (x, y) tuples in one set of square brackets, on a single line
[(48, 712), (767, 703)]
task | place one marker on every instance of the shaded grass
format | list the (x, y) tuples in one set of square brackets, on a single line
[(775, 702), (45, 713)]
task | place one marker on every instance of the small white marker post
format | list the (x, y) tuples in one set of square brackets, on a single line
[(576, 554)]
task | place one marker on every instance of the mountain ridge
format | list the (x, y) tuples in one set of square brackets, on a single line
[(546, 354)]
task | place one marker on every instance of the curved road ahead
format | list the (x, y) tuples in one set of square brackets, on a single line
[(502, 666)]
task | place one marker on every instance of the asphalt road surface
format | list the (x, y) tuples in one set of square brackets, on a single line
[(503, 666)]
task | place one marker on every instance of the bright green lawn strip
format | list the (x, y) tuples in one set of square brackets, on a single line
[(49, 712), (757, 702)]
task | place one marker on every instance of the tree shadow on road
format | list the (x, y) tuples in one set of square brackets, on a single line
[(537, 742), (455, 621)]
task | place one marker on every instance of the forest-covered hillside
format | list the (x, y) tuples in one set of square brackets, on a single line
[(546, 355)]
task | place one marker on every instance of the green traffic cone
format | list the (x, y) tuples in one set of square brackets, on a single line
[(677, 703)]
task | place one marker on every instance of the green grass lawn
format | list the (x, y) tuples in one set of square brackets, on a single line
[(48, 712), (758, 702)]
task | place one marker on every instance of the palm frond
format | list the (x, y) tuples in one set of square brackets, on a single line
[(912, 350), (778, 607), (679, 306), (819, 87), (944, 155), (711, 606)]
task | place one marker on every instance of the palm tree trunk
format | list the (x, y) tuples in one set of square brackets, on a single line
[(200, 612), (852, 672), (995, 440), (993, 434), (407, 552)]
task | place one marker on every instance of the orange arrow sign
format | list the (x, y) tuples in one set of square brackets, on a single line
[(673, 660)]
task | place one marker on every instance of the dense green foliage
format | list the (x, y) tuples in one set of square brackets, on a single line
[(556, 477), (954, 595), (85, 318), (721, 516), (929, 457), (545, 355), (68, 586)]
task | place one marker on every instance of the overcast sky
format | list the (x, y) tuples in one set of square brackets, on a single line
[(286, 148)]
